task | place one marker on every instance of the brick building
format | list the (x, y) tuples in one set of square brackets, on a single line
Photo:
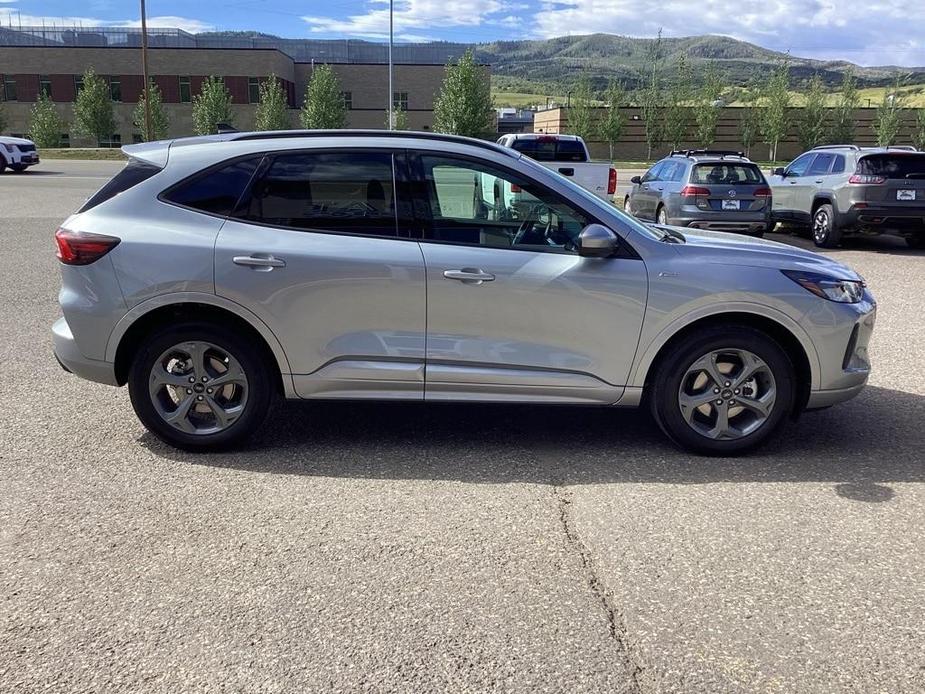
[(56, 66)]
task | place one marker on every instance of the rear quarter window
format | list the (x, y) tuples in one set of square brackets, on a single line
[(217, 190), (134, 172)]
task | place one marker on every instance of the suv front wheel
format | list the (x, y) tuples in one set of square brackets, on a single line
[(826, 233)]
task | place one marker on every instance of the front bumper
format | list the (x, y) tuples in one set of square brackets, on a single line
[(71, 359), (843, 351)]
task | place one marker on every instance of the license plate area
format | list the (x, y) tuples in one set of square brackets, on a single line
[(905, 195), (730, 204)]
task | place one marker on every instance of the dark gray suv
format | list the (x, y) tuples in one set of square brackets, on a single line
[(845, 189), (703, 189)]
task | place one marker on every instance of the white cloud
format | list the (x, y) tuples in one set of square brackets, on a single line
[(869, 33), (412, 18), (11, 17)]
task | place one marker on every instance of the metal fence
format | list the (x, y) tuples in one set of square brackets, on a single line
[(300, 50)]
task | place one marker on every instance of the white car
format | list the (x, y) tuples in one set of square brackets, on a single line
[(17, 153)]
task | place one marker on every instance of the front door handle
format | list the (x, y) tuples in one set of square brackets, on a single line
[(567, 171), (819, 180), (259, 262), (469, 275)]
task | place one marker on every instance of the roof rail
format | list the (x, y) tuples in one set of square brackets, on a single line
[(707, 152), (854, 147), (438, 137), (903, 148)]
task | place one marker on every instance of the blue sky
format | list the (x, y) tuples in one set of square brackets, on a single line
[(868, 32)]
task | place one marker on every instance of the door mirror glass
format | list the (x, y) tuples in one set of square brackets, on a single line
[(636, 180), (597, 241), (779, 171)]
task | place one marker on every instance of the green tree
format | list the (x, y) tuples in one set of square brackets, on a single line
[(273, 110), (323, 107), (888, 120), (650, 98), (677, 109), (579, 114), (399, 119), (160, 123), (46, 124), (707, 105), (212, 106), (752, 117), (93, 116), (775, 117), (612, 123), (918, 132), (841, 131), (464, 105), (812, 127)]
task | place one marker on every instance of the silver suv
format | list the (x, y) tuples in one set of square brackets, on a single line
[(215, 274), (843, 189), (703, 189)]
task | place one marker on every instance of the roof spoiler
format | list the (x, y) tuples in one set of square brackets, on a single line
[(151, 152)]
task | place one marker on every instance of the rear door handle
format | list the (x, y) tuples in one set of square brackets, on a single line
[(567, 171), (818, 180), (260, 262), (469, 275)]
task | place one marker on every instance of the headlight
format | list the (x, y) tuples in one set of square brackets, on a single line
[(826, 287)]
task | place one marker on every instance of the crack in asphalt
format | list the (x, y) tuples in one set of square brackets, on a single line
[(616, 620)]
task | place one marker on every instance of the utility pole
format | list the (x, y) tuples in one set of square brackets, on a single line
[(391, 106), (144, 69)]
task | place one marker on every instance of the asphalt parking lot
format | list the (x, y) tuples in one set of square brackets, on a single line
[(450, 548)]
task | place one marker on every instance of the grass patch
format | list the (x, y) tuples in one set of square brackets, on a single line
[(94, 153)]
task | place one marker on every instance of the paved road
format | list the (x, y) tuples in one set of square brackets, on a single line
[(450, 548)]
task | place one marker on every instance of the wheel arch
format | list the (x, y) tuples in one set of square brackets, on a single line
[(138, 322), (786, 333), (822, 199)]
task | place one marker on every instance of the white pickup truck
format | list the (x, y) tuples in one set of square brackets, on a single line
[(568, 155)]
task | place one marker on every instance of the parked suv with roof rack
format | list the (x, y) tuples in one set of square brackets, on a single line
[(705, 189), (839, 190)]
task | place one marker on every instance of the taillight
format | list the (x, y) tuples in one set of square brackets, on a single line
[(867, 179), (691, 191), (762, 192), (515, 188), (612, 182), (81, 248)]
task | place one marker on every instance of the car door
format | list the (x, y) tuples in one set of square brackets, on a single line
[(320, 251), (513, 312), (786, 189), (816, 179), (646, 198)]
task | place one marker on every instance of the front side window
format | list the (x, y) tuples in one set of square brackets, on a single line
[(345, 192), (821, 164), (799, 165), (727, 174), (216, 191), (253, 90), (474, 203), (654, 173), (185, 95)]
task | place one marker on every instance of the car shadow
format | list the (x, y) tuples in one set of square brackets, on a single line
[(884, 244), (860, 445)]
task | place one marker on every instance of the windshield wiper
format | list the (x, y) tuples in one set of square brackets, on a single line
[(672, 235)]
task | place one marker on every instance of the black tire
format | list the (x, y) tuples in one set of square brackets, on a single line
[(665, 386), (2, 164), (260, 375), (17, 168), (758, 233), (661, 216), (826, 233), (916, 242), (627, 205)]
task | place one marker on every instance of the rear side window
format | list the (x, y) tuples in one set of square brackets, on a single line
[(134, 173), (217, 190), (891, 165), (347, 192), (727, 174), (821, 164), (550, 149)]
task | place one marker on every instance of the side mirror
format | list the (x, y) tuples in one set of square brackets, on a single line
[(597, 241), (636, 180), (779, 171)]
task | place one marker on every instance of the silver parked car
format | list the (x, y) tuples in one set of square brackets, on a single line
[(215, 274), (703, 189)]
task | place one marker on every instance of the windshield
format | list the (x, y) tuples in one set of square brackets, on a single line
[(594, 202), (550, 149), (893, 165), (726, 174)]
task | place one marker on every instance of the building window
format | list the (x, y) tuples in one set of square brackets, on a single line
[(185, 96), (114, 141), (9, 89), (45, 85), (253, 90), (137, 138), (348, 100), (78, 84), (115, 88), (65, 140), (400, 101)]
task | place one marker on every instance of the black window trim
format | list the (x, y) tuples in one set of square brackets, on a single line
[(421, 200), (202, 173)]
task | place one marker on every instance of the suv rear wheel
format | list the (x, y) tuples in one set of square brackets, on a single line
[(661, 216), (200, 386), (825, 232), (723, 390)]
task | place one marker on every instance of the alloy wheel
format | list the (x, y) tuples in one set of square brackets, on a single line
[(198, 388), (821, 226), (727, 394)]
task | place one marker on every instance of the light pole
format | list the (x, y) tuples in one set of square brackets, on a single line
[(389, 103), (144, 69)]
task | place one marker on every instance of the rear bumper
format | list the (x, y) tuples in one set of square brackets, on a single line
[(884, 219), (71, 359)]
